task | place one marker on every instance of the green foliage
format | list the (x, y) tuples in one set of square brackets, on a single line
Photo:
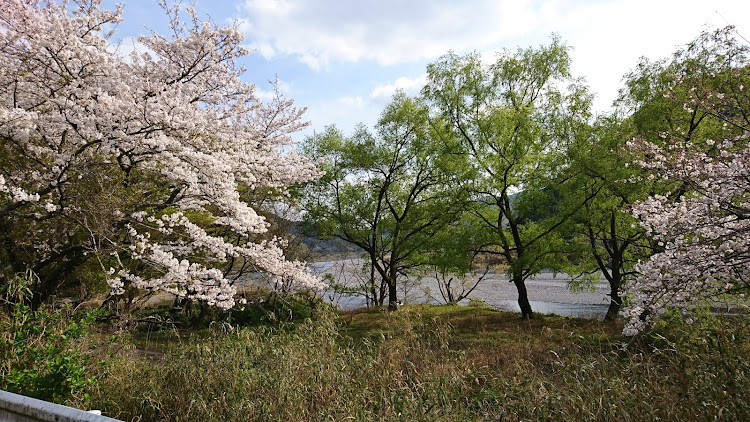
[(656, 93), (653, 106), (454, 247), (386, 193), (438, 363), (41, 354), (602, 237), (19, 289), (275, 308), (263, 308), (508, 126)]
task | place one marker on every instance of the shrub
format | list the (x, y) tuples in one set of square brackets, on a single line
[(41, 356)]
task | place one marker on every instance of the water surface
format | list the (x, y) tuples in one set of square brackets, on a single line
[(548, 293)]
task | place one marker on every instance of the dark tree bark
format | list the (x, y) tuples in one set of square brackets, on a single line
[(523, 298), (614, 304), (392, 297)]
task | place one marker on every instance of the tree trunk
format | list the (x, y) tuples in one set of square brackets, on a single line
[(392, 299), (381, 290), (615, 301), (523, 298), (449, 292), (373, 289)]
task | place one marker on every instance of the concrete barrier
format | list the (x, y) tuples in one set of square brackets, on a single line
[(18, 408)]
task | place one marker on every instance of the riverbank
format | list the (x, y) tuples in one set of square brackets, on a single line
[(549, 293)]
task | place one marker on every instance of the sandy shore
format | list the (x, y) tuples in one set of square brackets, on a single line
[(548, 293)]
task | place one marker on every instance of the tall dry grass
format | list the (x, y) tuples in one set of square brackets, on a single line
[(425, 365)]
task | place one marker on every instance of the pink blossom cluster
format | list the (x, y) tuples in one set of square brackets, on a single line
[(179, 114), (702, 227), (705, 233)]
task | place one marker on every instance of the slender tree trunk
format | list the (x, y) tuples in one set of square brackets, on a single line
[(451, 300), (523, 298), (516, 273), (381, 298), (615, 280), (373, 288)]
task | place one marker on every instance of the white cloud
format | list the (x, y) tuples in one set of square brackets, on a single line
[(388, 32), (607, 37), (409, 86), (352, 101)]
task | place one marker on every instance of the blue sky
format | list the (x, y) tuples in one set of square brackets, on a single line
[(343, 59)]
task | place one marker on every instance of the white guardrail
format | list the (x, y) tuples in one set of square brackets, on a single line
[(18, 408)]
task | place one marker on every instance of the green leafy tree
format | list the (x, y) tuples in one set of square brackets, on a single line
[(456, 257), (604, 238), (609, 239), (385, 193), (509, 123)]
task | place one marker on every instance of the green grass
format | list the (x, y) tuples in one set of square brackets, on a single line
[(429, 363), (432, 363)]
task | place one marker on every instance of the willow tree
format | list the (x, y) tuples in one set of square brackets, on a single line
[(510, 123), (385, 193), (604, 238)]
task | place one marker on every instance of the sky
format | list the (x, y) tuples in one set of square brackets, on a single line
[(344, 59)]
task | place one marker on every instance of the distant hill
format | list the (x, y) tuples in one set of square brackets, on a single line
[(318, 246)]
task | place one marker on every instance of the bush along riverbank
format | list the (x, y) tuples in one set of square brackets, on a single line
[(419, 363)]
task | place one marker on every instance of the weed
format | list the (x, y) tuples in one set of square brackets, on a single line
[(41, 357), (436, 363)]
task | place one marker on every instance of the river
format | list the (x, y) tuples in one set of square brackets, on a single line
[(548, 293)]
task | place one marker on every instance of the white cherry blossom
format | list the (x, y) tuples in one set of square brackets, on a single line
[(703, 226), (148, 155)]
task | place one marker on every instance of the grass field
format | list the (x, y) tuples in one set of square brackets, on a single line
[(430, 363)]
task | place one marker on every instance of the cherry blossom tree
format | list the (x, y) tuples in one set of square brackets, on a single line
[(703, 225), (137, 168)]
